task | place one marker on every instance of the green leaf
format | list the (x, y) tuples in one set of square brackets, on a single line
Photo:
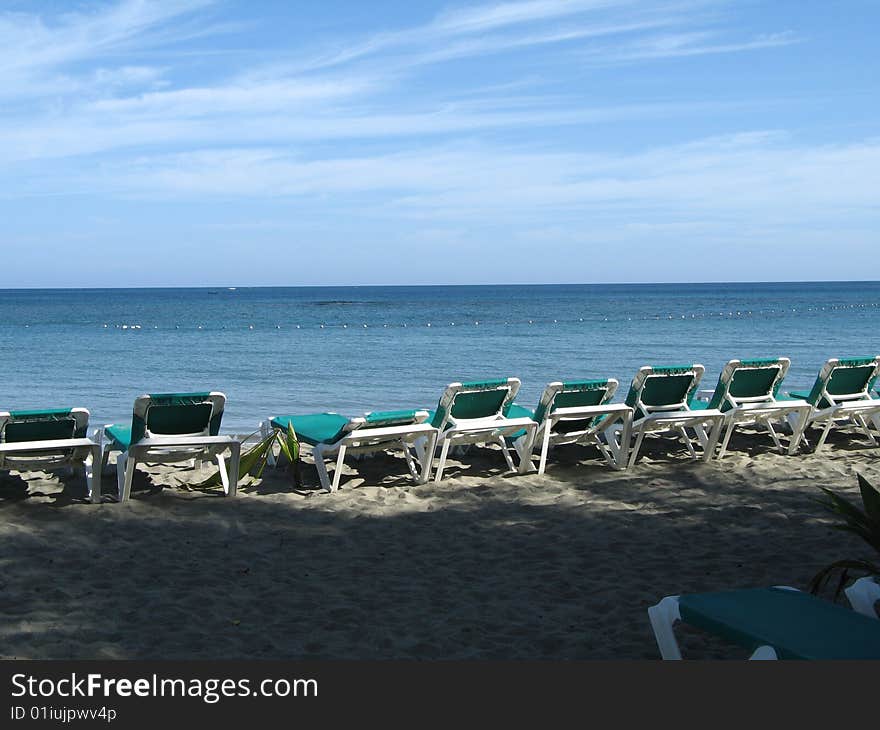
[(247, 462), (870, 498), (862, 522)]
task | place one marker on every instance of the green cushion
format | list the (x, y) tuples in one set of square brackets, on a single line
[(178, 419), (576, 394), (518, 411), (383, 419), (481, 404), (747, 382), (486, 399), (47, 412), (41, 425), (797, 625), (174, 413), (853, 375), (677, 385), (119, 435), (314, 429)]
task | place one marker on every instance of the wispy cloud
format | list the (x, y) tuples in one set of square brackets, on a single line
[(718, 177), (269, 130), (679, 45), (73, 100)]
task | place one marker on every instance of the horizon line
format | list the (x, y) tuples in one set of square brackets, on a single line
[(427, 286)]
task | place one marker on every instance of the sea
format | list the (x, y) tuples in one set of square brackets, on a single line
[(350, 350)]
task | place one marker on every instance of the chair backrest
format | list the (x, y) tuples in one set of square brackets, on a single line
[(387, 419), (844, 379), (43, 425), (749, 381), (574, 394), (177, 414), (667, 388), (478, 399)]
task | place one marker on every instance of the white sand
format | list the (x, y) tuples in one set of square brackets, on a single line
[(483, 565)]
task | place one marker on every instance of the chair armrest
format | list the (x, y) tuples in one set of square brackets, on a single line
[(165, 441), (27, 446)]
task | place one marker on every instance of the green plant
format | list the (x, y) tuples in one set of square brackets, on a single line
[(254, 460), (864, 522)]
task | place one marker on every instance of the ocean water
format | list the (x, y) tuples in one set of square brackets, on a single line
[(355, 349)]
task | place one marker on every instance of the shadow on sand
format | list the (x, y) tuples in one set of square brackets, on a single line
[(483, 566)]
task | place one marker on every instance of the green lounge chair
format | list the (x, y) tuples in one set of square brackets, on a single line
[(747, 394), (661, 400), (330, 434), (48, 440), (841, 396), (774, 623), (578, 411), (170, 428), (477, 413)]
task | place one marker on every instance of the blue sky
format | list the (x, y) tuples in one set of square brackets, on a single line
[(200, 142)]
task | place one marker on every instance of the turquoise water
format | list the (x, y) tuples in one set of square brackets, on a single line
[(354, 349)]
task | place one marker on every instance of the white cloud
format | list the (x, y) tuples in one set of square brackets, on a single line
[(764, 175)]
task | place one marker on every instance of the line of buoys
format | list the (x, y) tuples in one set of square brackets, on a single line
[(598, 318)]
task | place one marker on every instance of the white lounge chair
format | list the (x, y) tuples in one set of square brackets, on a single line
[(330, 434), (747, 394), (171, 428), (773, 623), (841, 396), (863, 596), (661, 401), (48, 440), (577, 412), (476, 413)]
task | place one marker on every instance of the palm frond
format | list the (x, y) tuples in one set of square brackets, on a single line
[(864, 522), (254, 460)]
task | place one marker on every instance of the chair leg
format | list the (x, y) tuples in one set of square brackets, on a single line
[(337, 472), (727, 434), (323, 477), (506, 453), (444, 451), (687, 441), (798, 423), (92, 468), (608, 438), (125, 466), (712, 437), (410, 463), (545, 449), (234, 463), (774, 436), (425, 452), (265, 430), (120, 475), (634, 454), (623, 447), (825, 432), (865, 428), (229, 475), (224, 475), (663, 617)]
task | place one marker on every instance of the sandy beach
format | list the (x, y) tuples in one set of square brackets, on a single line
[(484, 565)]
